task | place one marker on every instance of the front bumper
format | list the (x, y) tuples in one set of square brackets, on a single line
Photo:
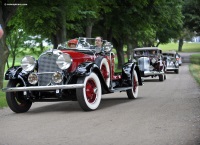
[(171, 68), (43, 88)]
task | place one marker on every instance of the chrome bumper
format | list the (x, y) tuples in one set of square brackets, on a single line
[(147, 73), (172, 68), (43, 88)]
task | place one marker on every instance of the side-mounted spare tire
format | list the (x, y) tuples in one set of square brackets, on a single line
[(104, 68)]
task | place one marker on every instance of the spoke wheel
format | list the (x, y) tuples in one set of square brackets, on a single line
[(16, 100), (133, 93), (89, 97)]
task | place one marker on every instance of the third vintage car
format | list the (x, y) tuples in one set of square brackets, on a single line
[(150, 62), (80, 73), (172, 61)]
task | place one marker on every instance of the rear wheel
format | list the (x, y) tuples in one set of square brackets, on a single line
[(133, 93), (16, 100), (176, 71), (161, 77), (89, 97)]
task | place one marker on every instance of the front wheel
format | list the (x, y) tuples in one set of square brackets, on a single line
[(133, 93), (16, 100), (89, 97)]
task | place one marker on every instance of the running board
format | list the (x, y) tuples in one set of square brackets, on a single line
[(121, 89)]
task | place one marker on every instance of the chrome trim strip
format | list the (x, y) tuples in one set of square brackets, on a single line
[(42, 88), (153, 73)]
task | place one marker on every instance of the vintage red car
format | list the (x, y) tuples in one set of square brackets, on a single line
[(80, 74)]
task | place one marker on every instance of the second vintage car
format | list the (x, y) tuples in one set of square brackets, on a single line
[(82, 73), (150, 62)]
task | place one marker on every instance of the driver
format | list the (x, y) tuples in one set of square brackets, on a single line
[(99, 41), (72, 43), (99, 44)]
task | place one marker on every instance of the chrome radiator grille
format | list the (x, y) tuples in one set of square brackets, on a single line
[(46, 67)]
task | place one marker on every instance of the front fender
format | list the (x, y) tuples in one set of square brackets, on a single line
[(13, 72), (86, 68)]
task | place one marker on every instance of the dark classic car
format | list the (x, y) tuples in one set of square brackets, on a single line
[(150, 62), (80, 74), (172, 61)]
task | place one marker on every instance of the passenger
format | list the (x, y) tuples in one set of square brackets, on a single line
[(153, 52), (72, 43)]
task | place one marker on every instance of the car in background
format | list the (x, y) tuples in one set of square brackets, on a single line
[(82, 74), (172, 63), (150, 62), (179, 58)]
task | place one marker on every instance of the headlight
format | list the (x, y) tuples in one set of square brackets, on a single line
[(28, 63), (57, 77), (33, 78), (64, 61)]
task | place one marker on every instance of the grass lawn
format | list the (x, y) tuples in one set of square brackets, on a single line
[(3, 102), (195, 67), (187, 47)]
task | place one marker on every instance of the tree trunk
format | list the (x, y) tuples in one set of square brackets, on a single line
[(6, 14), (89, 30), (120, 54), (4, 51), (180, 44), (130, 46), (60, 36)]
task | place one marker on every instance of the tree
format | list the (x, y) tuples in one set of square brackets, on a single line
[(6, 13)]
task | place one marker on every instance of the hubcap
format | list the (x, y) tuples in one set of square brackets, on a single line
[(91, 91)]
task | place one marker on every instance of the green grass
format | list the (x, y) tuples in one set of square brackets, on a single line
[(195, 67), (187, 47), (3, 102)]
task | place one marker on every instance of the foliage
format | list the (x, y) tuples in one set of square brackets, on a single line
[(191, 12)]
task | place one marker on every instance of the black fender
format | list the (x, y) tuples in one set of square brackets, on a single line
[(86, 68), (16, 72), (127, 70)]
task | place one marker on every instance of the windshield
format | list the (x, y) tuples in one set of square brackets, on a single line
[(145, 53), (80, 43)]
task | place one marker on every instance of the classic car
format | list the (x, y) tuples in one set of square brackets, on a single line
[(172, 61), (150, 62), (80, 74), (179, 58)]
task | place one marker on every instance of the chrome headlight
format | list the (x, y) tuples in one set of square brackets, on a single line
[(33, 78), (64, 61), (108, 47), (57, 77), (28, 63)]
